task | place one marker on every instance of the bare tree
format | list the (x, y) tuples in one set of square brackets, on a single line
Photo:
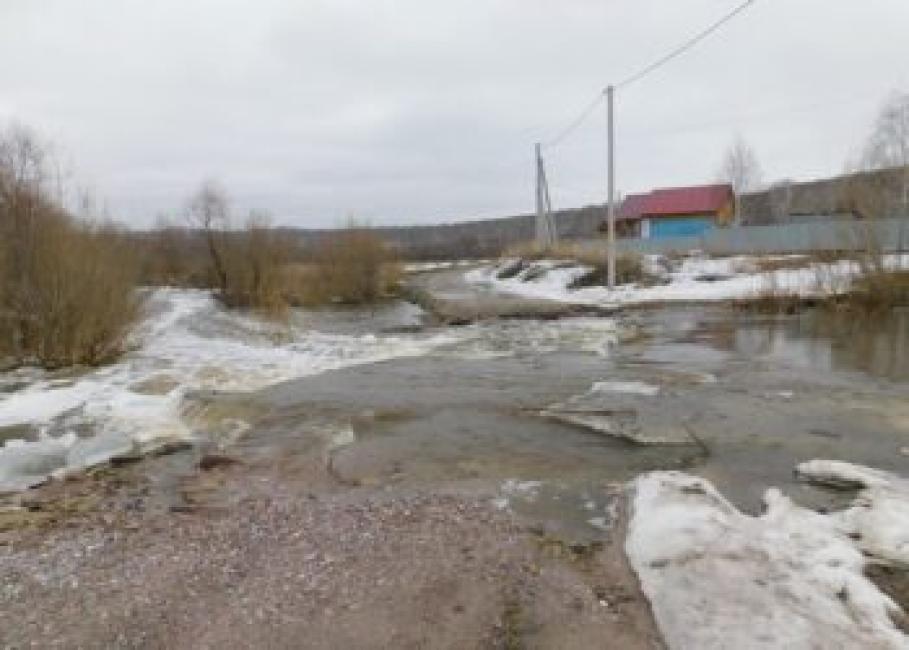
[(888, 147), (209, 211), (741, 169)]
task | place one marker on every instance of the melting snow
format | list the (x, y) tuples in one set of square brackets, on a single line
[(790, 578), (879, 516), (696, 278), (189, 341)]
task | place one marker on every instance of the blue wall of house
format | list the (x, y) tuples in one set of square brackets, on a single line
[(680, 226)]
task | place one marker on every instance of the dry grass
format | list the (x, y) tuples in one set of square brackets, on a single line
[(879, 290), (779, 263), (870, 286), (772, 301)]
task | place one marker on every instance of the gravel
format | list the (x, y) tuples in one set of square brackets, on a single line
[(277, 566)]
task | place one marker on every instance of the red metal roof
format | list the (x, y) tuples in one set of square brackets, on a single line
[(705, 199), (632, 205)]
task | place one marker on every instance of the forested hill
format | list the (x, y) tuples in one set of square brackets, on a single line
[(471, 239)]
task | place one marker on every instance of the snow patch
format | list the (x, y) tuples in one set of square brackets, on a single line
[(695, 278), (879, 517), (718, 578)]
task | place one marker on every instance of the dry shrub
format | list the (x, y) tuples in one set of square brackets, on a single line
[(67, 288), (352, 266), (777, 263), (173, 256), (876, 291), (769, 301), (876, 286), (254, 259), (559, 251), (84, 294), (772, 299), (245, 268), (298, 280)]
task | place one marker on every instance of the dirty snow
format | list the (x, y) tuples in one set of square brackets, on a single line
[(879, 516), (185, 343), (790, 578), (694, 278)]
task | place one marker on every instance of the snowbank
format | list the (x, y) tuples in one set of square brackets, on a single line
[(718, 578), (694, 278)]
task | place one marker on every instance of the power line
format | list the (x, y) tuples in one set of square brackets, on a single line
[(687, 45), (577, 122)]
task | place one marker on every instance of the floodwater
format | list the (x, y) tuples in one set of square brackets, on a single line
[(757, 395), (339, 404), (823, 341)]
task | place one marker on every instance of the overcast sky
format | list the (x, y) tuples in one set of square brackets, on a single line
[(421, 111)]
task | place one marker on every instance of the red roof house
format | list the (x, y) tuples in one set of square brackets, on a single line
[(677, 211)]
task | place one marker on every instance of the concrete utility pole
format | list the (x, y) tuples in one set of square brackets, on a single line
[(546, 231), (610, 96)]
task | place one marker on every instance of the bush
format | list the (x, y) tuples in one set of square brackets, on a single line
[(245, 268), (254, 259), (172, 255), (352, 266), (67, 288)]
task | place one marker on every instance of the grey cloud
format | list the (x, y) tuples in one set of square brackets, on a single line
[(417, 111)]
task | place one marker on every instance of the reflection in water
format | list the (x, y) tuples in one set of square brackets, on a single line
[(877, 344)]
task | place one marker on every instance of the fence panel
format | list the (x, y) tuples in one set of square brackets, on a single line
[(887, 234)]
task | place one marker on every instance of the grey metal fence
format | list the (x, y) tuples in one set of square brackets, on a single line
[(885, 234)]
